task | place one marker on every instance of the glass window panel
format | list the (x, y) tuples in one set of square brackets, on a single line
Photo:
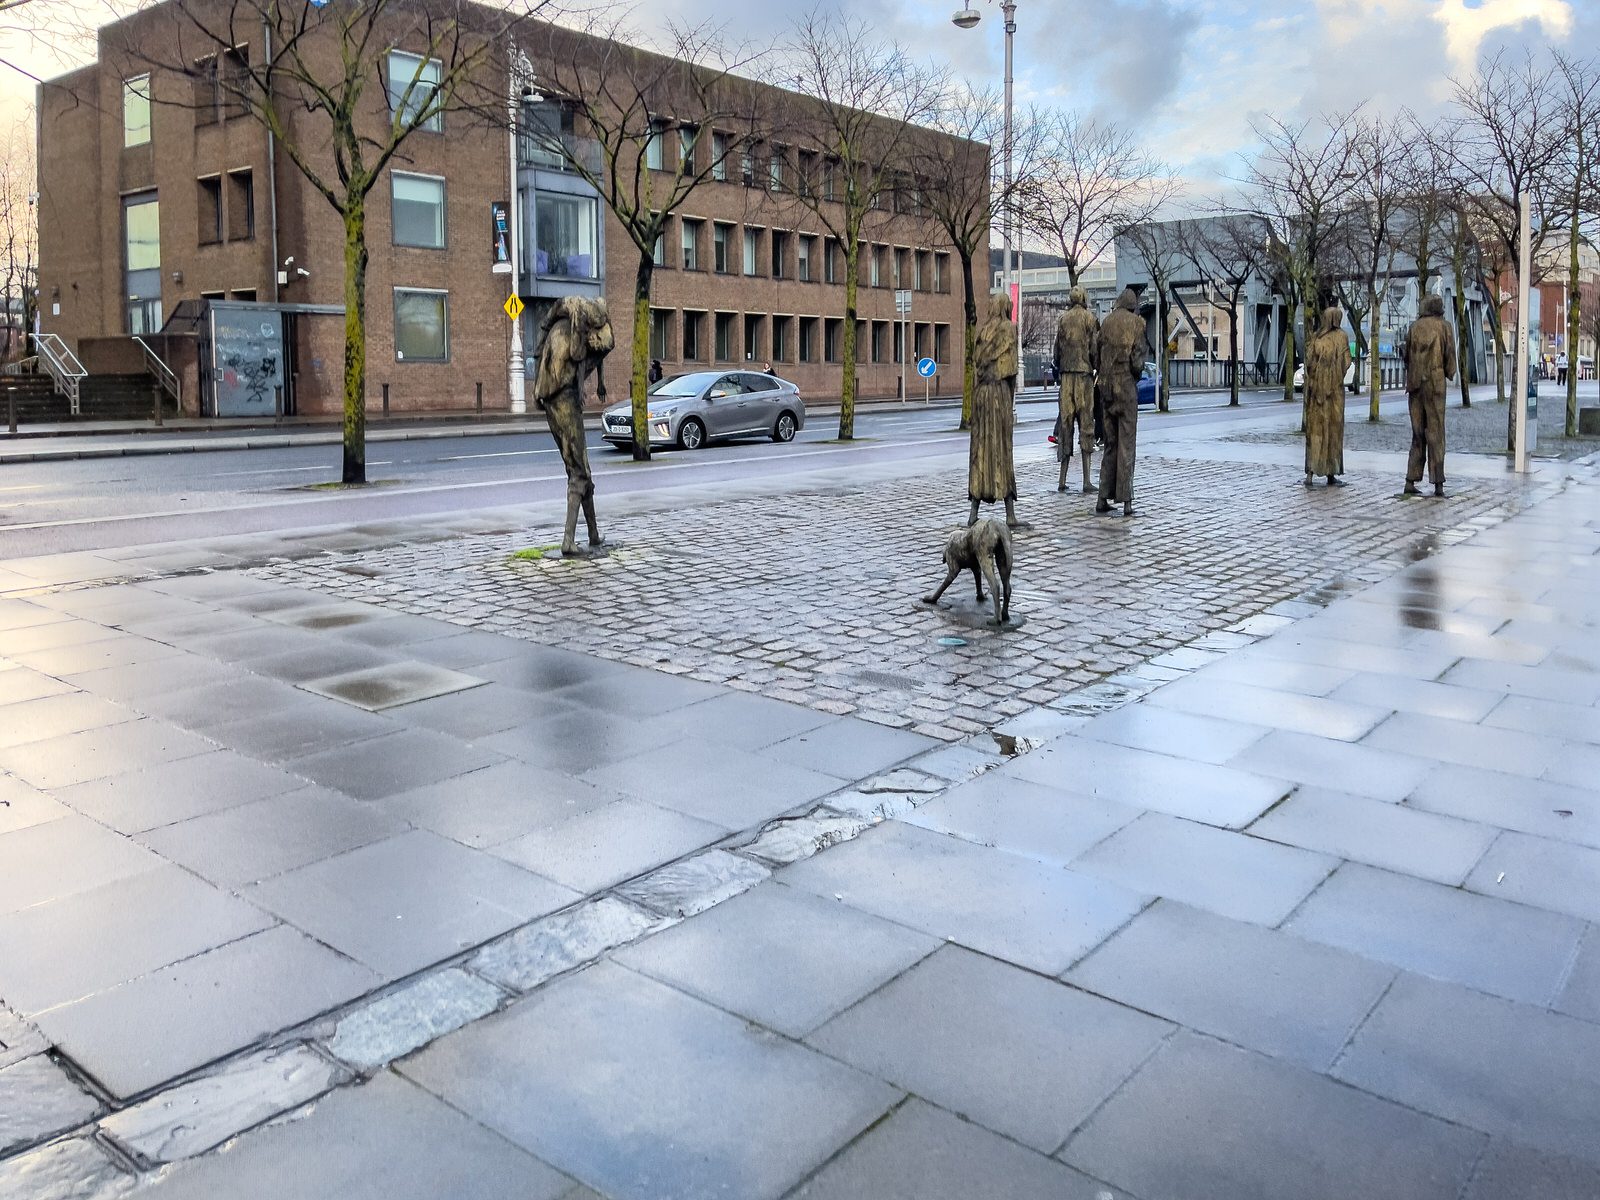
[(412, 83), (418, 211), (421, 327), (136, 110), (564, 236), (142, 228)]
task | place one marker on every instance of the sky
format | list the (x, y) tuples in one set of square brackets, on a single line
[(1189, 75)]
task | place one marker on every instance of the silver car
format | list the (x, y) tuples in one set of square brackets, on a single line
[(702, 406)]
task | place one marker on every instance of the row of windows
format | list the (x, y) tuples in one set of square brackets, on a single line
[(802, 256), (411, 80), (692, 335)]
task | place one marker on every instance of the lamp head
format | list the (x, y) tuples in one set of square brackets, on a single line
[(967, 18)]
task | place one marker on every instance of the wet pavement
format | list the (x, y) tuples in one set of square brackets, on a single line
[(1289, 895)]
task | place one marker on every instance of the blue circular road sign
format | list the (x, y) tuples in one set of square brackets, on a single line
[(926, 367)]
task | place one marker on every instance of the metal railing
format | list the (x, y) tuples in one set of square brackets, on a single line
[(164, 375), (62, 364), (23, 366)]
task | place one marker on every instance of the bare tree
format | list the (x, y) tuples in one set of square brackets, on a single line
[(866, 96), (964, 197), (1579, 84), (1375, 230), (322, 80), (1303, 184), (1229, 251), (603, 116), (1507, 141), (1158, 247), (1092, 180), (19, 238)]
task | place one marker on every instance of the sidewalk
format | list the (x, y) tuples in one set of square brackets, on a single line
[(1301, 904)]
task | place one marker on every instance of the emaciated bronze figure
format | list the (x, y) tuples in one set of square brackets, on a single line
[(1327, 359), (577, 337), (1077, 343), (1123, 351), (991, 476), (984, 549), (1430, 364)]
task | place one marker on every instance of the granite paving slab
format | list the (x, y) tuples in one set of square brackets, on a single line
[(1358, 768), (1023, 818), (1316, 715), (498, 804), (177, 791), (1580, 997), (60, 762), (761, 1114), (392, 763), (1557, 876), (37, 1101), (849, 749), (391, 685), (1167, 731), (309, 726), (31, 858), (600, 846), (1508, 1169)]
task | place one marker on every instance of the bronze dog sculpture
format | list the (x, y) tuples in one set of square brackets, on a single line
[(984, 549)]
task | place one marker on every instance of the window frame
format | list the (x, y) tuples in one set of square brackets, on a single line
[(444, 210), (249, 198), (443, 295), (208, 191), (689, 241), (137, 86), (414, 81)]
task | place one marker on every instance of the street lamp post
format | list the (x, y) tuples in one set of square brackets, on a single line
[(1010, 277)]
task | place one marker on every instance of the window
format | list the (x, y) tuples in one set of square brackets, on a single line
[(658, 253), (564, 237), (921, 268), (688, 135), (234, 81), (205, 90), (655, 152), (833, 340), (830, 260), (141, 258), (544, 134), (752, 337), (776, 168), (209, 200), (941, 343), (880, 341), (724, 347), (241, 206), (752, 250), (721, 248), (136, 110), (421, 326), (413, 86), (691, 244), (719, 155), (416, 210), (829, 172), (902, 268), (694, 333), (803, 258), (780, 253), (807, 347), (919, 339), (805, 172), (941, 273), (246, 294), (899, 341), (747, 167), (874, 267), (660, 333), (780, 339)]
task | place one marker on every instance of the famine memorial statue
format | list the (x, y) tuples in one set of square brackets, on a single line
[(577, 338)]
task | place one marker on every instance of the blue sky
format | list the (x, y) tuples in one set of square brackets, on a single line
[(1189, 74)]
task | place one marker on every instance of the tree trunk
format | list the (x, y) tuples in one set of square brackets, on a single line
[(969, 337), (639, 385), (1499, 335), (1374, 360), (1288, 355), (847, 389), (1233, 351), (1463, 347), (355, 340), (1162, 394)]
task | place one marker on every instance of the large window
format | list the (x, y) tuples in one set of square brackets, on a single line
[(136, 110), (141, 257), (564, 235), (719, 155), (780, 254), (830, 260), (725, 349), (780, 339), (546, 129), (660, 333), (752, 250), (209, 201), (833, 340), (688, 136), (808, 339), (655, 151), (418, 210), (691, 244), (752, 337), (421, 326), (413, 82), (722, 248), (803, 252), (241, 205), (694, 336)]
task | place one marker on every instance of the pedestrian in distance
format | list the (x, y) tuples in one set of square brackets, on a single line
[(767, 370), (1430, 365), (1327, 359), (1123, 352), (654, 373)]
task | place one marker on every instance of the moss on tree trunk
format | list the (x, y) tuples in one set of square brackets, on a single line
[(355, 340), (847, 391), (639, 379), (969, 338)]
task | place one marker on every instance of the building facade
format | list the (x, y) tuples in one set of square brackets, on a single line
[(160, 202)]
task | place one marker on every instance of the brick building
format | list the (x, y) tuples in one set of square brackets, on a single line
[(158, 192)]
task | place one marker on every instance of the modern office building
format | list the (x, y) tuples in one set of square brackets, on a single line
[(168, 214)]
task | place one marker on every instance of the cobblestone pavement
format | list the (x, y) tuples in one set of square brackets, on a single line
[(1480, 429), (811, 597)]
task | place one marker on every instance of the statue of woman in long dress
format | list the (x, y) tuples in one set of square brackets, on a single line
[(1327, 359), (991, 476)]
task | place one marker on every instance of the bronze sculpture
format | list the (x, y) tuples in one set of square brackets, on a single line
[(1327, 359), (991, 476), (1123, 352), (1077, 342), (577, 337), (984, 549), (1430, 364)]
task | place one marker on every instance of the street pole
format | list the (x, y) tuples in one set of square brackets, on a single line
[(519, 73), (1012, 275), (1524, 269)]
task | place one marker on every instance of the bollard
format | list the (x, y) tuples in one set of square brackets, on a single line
[(386, 400), (11, 408), (155, 391), (277, 406), (480, 399)]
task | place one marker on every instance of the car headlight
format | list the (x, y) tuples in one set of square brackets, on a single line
[(663, 414)]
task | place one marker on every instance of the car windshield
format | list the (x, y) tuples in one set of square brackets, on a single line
[(681, 385), (1149, 370)]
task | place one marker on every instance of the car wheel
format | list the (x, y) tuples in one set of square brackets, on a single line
[(691, 434), (784, 430)]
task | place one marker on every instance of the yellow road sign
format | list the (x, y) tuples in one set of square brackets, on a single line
[(514, 306)]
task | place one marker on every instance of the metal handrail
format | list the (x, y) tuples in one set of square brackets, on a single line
[(65, 369), (165, 375), (23, 366)]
